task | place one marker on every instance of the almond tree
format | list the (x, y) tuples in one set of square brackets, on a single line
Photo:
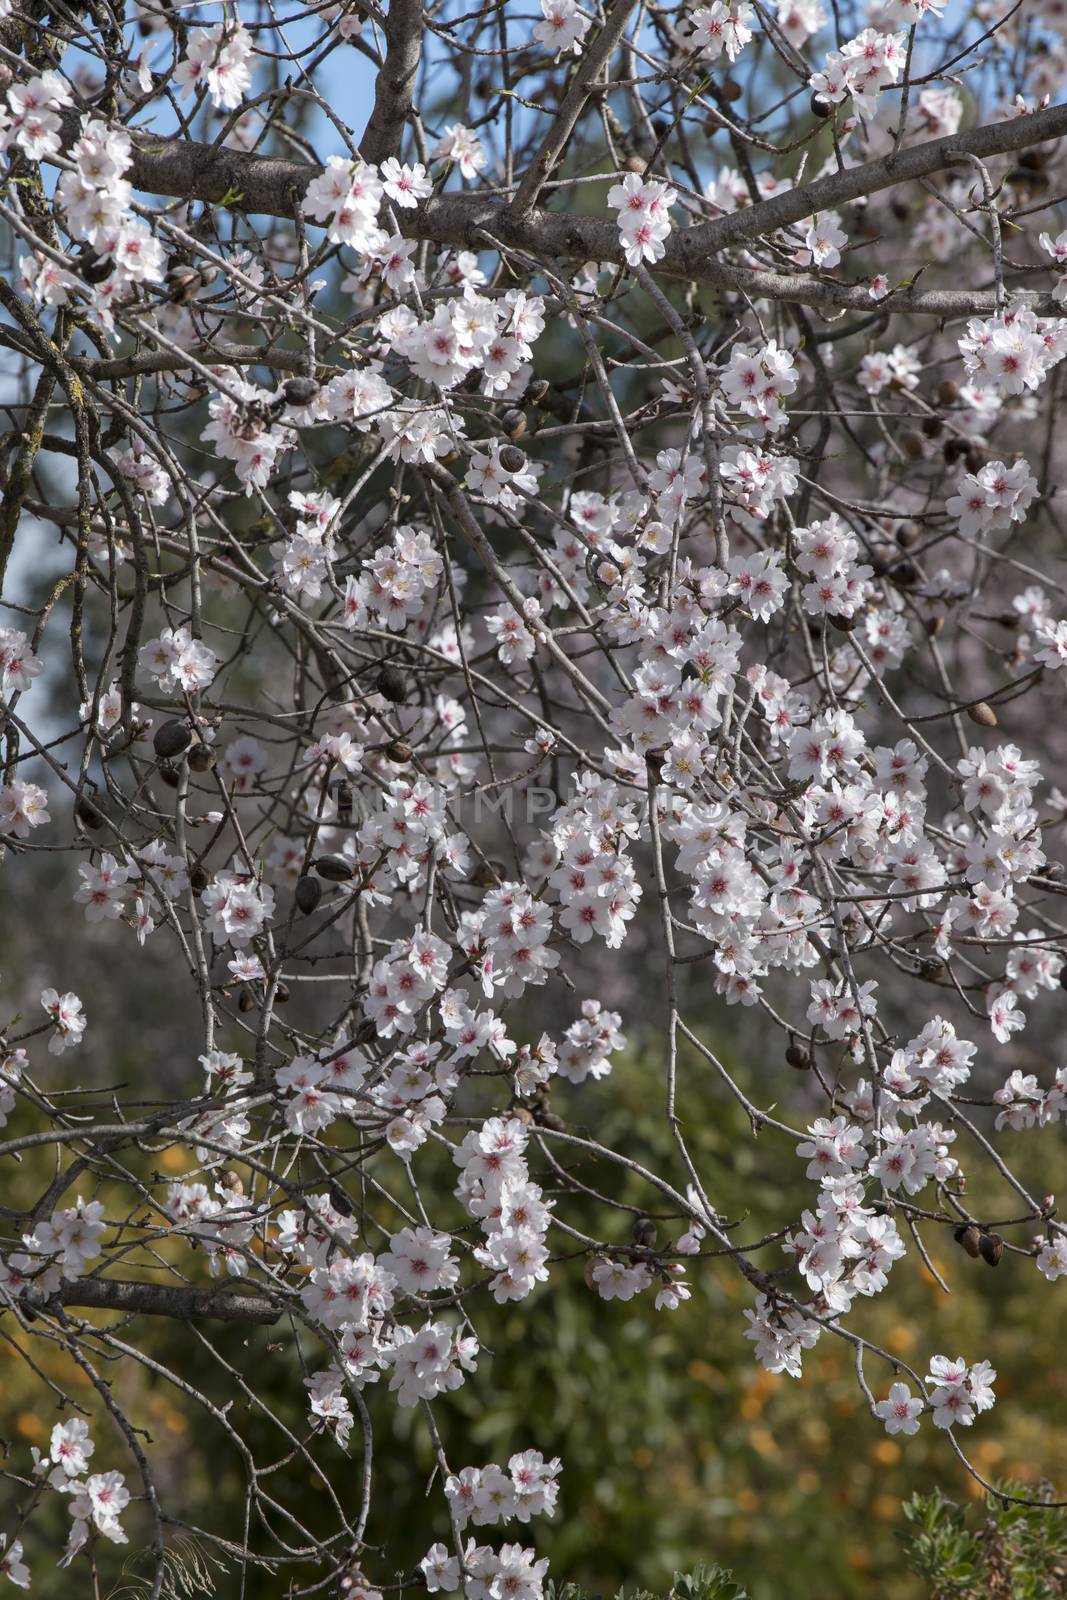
[(605, 504)]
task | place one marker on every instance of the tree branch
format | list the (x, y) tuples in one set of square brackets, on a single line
[(825, 194), (270, 186), (395, 83), (230, 355), (157, 1300)]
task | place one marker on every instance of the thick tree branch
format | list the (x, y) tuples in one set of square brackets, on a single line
[(395, 83), (158, 1300), (870, 177), (273, 187), (230, 355)]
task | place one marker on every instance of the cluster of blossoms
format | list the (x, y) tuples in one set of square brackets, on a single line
[(1013, 351), (957, 1393), (58, 1248), (898, 368), (395, 585), (994, 497), (356, 1297), (595, 878), (348, 197), (848, 1246), (712, 30), (487, 1495), (643, 208), (178, 660), (97, 1500), (862, 68), (1022, 1101), (472, 334), (495, 1187), (23, 807), (757, 380), (828, 553), (31, 117), (243, 428), (236, 907), (95, 197), (19, 663), (511, 1573), (302, 559), (147, 475), (219, 60), (410, 828)]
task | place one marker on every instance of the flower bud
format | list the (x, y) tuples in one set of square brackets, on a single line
[(992, 1246), (94, 268), (201, 757), (982, 714), (644, 1233), (392, 684), (968, 1237), (300, 391), (171, 739), (344, 795), (336, 869), (307, 894), (90, 817)]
